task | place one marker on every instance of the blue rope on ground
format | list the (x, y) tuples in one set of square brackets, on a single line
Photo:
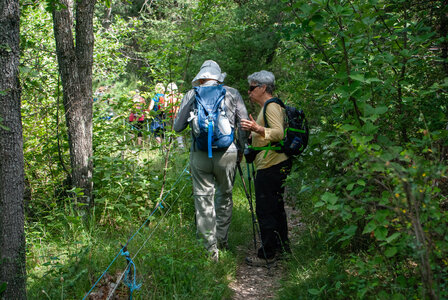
[(132, 237), (132, 284), (150, 235)]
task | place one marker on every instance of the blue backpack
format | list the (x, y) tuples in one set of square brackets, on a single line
[(215, 131)]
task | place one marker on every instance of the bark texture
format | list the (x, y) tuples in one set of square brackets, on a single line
[(75, 66), (12, 236)]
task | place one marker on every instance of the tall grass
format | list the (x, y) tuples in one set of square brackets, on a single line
[(66, 256)]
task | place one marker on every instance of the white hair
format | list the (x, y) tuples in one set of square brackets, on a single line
[(263, 78)]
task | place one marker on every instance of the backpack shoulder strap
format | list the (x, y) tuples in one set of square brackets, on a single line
[(270, 146), (275, 100)]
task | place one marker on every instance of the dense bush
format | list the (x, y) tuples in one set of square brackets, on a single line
[(372, 75)]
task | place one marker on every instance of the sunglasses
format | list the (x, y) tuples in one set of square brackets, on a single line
[(253, 87)]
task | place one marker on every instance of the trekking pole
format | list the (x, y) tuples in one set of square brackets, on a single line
[(251, 208), (254, 220), (249, 178)]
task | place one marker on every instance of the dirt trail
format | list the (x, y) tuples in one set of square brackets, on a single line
[(254, 283)]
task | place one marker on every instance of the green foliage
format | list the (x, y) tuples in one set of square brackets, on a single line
[(2, 287), (175, 265), (169, 41), (371, 175), (371, 76), (169, 260), (44, 133), (109, 61)]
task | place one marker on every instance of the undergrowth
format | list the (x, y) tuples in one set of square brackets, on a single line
[(66, 256)]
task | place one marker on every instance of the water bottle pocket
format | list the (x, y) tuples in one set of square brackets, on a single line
[(194, 124), (224, 124)]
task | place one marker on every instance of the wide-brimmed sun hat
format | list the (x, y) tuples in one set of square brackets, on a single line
[(209, 70)]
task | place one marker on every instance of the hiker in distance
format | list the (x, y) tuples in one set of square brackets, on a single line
[(272, 170), (173, 99), (158, 104), (137, 116), (213, 157)]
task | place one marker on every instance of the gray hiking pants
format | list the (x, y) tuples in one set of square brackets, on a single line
[(212, 188)]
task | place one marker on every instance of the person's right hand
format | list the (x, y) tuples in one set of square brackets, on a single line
[(249, 125)]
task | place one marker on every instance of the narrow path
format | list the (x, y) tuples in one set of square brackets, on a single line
[(253, 283), (256, 283)]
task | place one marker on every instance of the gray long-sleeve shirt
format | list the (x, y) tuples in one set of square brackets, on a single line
[(234, 108)]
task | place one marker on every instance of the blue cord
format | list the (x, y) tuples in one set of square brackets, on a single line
[(131, 284)]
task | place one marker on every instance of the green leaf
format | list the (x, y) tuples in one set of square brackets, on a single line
[(351, 230), (329, 198), (314, 292), (319, 204), (350, 186), (373, 79), (358, 77), (361, 182), (379, 110), (2, 287), (380, 233), (393, 237), (348, 127), (390, 252), (370, 110), (359, 211), (369, 128), (371, 226)]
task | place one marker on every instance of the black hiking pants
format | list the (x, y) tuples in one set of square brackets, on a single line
[(270, 209)]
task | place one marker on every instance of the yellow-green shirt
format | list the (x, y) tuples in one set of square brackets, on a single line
[(275, 116)]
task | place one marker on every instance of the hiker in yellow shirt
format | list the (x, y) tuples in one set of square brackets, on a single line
[(272, 170)]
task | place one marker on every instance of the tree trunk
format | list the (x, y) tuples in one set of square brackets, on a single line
[(12, 235), (75, 66)]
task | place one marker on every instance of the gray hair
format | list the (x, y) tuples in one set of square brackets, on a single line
[(263, 78)]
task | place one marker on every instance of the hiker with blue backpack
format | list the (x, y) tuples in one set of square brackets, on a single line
[(214, 112), (272, 168), (158, 106), (173, 101)]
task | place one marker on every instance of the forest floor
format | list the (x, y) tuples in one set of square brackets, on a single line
[(253, 283)]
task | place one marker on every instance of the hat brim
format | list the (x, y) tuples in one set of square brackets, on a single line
[(206, 73)]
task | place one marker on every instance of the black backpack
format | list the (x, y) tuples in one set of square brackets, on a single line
[(296, 131)]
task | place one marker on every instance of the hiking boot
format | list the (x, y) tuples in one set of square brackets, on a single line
[(214, 255), (260, 262)]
